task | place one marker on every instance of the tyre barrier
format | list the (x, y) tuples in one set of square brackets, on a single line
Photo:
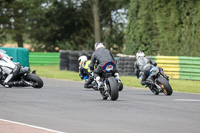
[(73, 61), (126, 66), (64, 59), (69, 59)]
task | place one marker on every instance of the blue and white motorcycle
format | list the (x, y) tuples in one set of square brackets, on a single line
[(110, 84)]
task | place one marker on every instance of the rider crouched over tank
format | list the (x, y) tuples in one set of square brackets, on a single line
[(13, 74), (101, 56), (142, 67), (84, 71)]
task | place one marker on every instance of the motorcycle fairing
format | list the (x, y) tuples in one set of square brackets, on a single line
[(109, 66), (154, 70)]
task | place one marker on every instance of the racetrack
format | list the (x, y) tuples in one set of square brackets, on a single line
[(66, 106)]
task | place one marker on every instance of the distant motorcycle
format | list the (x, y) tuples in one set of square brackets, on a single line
[(110, 85), (160, 84), (26, 78)]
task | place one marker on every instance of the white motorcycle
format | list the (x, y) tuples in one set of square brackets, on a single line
[(22, 78)]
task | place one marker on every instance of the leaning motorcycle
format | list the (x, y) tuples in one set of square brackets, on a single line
[(160, 84), (110, 85), (23, 78)]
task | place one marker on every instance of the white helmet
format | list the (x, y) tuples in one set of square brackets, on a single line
[(81, 59), (98, 45), (139, 54)]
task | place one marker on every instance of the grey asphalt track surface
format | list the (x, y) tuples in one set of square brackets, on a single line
[(66, 106)]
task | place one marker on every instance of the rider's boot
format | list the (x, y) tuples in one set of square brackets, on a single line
[(7, 85), (143, 80), (149, 80), (88, 84), (98, 81), (13, 83), (117, 76)]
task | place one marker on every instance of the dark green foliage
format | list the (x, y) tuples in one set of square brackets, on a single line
[(61, 24), (56, 25), (14, 14), (2, 38), (113, 28), (164, 27)]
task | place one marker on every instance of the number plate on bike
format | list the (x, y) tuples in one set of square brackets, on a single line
[(109, 66)]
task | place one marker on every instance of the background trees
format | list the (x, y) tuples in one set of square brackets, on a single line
[(167, 27), (157, 27), (64, 24)]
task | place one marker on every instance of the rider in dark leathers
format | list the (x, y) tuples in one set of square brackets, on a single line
[(101, 56), (142, 68)]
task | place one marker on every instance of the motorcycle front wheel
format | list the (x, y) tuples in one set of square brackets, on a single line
[(164, 84), (35, 80), (114, 92)]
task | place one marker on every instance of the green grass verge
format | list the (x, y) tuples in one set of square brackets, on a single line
[(177, 85)]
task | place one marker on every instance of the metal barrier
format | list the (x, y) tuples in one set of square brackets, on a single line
[(170, 65), (181, 67), (44, 59), (189, 67)]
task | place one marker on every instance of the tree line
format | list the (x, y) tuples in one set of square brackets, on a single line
[(157, 27), (67, 24), (164, 27)]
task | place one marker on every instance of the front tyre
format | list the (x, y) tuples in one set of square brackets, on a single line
[(120, 86), (114, 93), (35, 80), (164, 84)]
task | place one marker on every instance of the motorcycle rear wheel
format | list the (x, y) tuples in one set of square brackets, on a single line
[(114, 92), (36, 80)]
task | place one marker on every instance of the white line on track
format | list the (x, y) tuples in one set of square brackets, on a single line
[(23, 124), (188, 100)]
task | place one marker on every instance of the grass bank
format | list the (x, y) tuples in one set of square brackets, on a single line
[(177, 85)]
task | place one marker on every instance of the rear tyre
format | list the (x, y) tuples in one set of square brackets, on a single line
[(167, 89), (113, 88), (37, 81)]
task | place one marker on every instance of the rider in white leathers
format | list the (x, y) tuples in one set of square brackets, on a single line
[(7, 66)]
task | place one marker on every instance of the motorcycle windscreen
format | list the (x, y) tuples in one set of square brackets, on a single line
[(109, 66)]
